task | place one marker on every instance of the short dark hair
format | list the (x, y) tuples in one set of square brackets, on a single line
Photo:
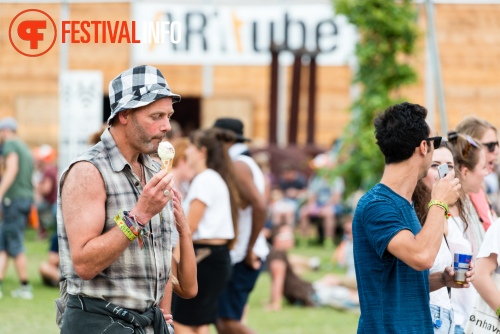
[(400, 129)]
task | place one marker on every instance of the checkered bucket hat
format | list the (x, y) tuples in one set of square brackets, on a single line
[(137, 87)]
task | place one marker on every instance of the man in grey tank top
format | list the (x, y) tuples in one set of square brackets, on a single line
[(114, 225)]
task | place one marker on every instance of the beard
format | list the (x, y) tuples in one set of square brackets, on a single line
[(145, 143)]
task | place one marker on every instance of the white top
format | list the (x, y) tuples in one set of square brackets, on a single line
[(210, 188), (491, 243), (462, 300), (443, 259), (237, 149), (260, 248)]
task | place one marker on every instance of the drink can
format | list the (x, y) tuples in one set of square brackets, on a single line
[(461, 262)]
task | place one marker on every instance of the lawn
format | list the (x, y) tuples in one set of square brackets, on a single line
[(38, 315)]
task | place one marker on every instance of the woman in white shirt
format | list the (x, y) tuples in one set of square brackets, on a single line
[(466, 234), (440, 281), (211, 205), (488, 262)]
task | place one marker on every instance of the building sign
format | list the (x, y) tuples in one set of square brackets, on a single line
[(240, 35), (80, 112)]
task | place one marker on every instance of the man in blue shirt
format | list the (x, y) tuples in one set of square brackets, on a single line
[(392, 252)]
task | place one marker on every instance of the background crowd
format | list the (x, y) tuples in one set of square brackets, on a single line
[(297, 205)]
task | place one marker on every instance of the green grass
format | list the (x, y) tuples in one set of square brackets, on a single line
[(295, 319), (19, 316), (38, 315)]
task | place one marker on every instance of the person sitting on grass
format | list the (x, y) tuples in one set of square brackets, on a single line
[(330, 290), (323, 199), (49, 269)]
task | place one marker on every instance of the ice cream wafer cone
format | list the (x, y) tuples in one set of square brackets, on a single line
[(166, 152), (167, 164)]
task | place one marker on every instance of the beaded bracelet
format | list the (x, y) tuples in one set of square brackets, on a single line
[(124, 228), (136, 221), (442, 205), (130, 224)]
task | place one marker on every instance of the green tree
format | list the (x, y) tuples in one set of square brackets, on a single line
[(387, 33)]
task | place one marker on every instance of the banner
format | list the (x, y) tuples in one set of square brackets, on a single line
[(239, 35)]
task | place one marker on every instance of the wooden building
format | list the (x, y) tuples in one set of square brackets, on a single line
[(468, 39)]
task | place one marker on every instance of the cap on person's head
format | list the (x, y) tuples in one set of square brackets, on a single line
[(138, 87), (45, 153), (231, 124), (8, 123)]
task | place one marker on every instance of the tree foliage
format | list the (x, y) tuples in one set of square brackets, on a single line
[(387, 33)]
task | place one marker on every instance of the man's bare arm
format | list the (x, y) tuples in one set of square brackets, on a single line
[(83, 198), (254, 198), (419, 251), (83, 206)]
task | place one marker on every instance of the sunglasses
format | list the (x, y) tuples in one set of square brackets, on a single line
[(491, 146), (436, 140)]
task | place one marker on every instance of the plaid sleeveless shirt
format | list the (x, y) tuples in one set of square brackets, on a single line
[(137, 279)]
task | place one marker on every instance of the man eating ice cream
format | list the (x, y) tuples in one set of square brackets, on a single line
[(111, 195)]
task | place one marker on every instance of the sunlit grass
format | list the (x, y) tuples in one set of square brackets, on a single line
[(38, 315)]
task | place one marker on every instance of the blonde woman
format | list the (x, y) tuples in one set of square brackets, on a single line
[(487, 136), (466, 234), (440, 279)]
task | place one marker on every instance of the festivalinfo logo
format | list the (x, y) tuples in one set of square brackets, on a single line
[(33, 32)]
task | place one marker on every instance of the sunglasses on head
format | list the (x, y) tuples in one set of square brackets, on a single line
[(470, 142), (436, 140), (453, 136), (491, 146)]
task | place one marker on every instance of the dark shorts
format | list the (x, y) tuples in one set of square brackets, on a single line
[(235, 296), (13, 225), (213, 274), (54, 244)]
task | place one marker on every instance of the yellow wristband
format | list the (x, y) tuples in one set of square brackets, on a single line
[(124, 228), (442, 205)]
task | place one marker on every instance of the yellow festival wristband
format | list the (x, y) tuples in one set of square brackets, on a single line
[(442, 205), (125, 229)]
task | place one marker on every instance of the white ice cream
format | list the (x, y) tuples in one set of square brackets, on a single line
[(166, 151)]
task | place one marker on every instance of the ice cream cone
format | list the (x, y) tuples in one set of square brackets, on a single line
[(166, 152), (167, 165)]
